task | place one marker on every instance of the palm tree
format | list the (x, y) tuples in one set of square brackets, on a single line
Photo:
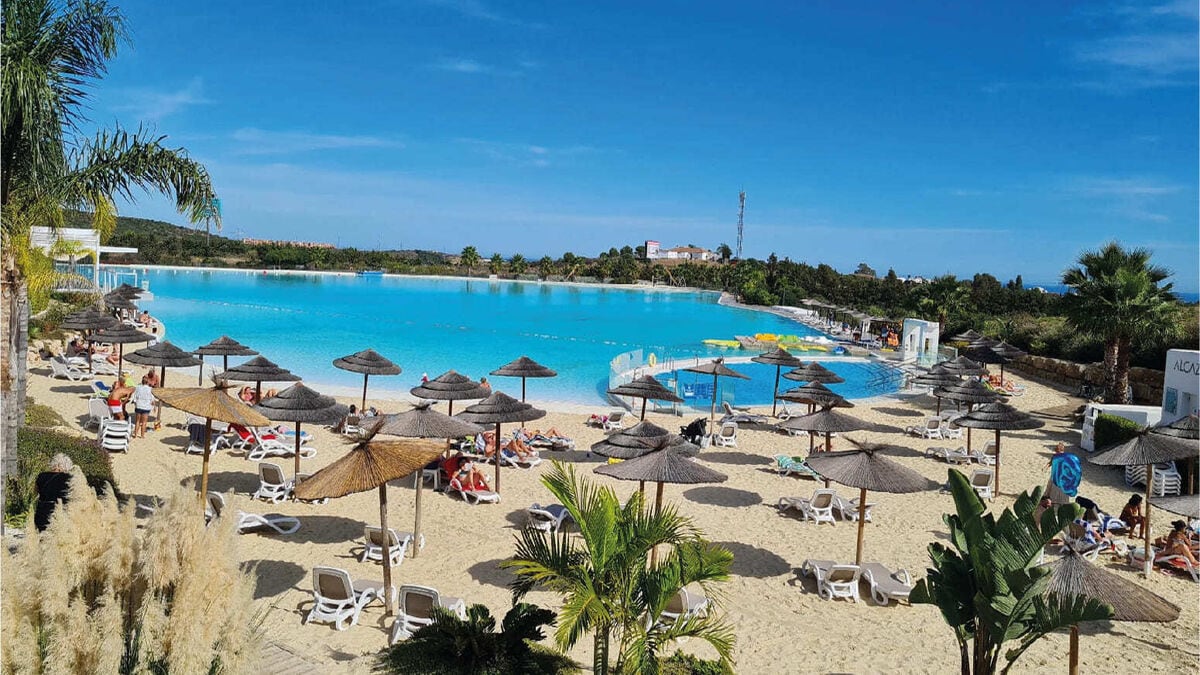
[(496, 263), (517, 264), (989, 586), (607, 583), (471, 646), (470, 258), (53, 54), (945, 299), (546, 266), (725, 252), (1116, 296)]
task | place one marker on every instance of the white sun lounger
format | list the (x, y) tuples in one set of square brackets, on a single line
[(833, 580), (61, 369), (338, 599), (397, 547), (684, 605), (887, 585), (818, 508), (416, 609), (273, 486), (250, 522), (726, 436), (849, 508), (949, 455), (473, 497), (547, 518), (983, 481)]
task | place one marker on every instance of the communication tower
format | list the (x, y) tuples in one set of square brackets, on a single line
[(741, 221)]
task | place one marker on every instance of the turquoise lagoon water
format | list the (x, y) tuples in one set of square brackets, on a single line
[(430, 325)]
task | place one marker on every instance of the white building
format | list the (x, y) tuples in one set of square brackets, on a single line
[(45, 238), (919, 341), (687, 253), (652, 249), (1181, 384)]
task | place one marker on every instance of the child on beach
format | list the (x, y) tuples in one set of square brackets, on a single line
[(143, 400)]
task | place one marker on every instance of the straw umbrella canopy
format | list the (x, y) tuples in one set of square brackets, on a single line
[(1073, 578), (164, 355), (224, 347), (778, 357), (119, 302), (300, 404), (982, 342), (663, 464), (1000, 417), (646, 388), (970, 335), (716, 368), (498, 409), (87, 320), (936, 378), (1184, 505), (1147, 449), (450, 386), (826, 421), (1184, 427), (127, 291), (963, 366), (120, 336), (258, 370), (369, 465), (867, 469), (1008, 350), (211, 403), (629, 443), (814, 372), (971, 392), (816, 394), (524, 367), (368, 362)]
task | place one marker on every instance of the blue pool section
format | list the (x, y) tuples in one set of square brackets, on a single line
[(430, 325), (864, 379)]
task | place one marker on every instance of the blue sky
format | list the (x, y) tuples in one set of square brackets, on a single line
[(927, 137)]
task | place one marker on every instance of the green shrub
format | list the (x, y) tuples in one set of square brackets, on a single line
[(35, 447), (38, 415), (686, 664), (1110, 430)]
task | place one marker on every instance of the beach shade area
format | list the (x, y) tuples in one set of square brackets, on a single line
[(1187, 506), (824, 421), (1073, 580), (87, 320), (450, 386), (870, 471), (163, 355), (497, 409), (1184, 427), (1147, 449), (301, 405), (998, 417), (778, 357), (368, 362), (937, 377), (815, 395), (258, 370), (369, 465), (524, 368), (127, 291), (963, 366), (120, 336), (117, 301), (969, 392), (1009, 352), (224, 347), (813, 372), (716, 368), (425, 422), (211, 403), (646, 388), (642, 439)]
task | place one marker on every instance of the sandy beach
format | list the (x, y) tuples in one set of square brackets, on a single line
[(781, 624)]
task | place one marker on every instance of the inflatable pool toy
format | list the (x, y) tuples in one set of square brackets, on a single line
[(728, 344), (652, 360), (766, 337)]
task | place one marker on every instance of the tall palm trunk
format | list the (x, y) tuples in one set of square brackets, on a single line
[(1111, 393), (1124, 352), (14, 322), (600, 649)]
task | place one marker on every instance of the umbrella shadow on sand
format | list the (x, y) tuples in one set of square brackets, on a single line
[(240, 482), (488, 572), (78, 389), (715, 495), (316, 529), (274, 576), (738, 458), (755, 562), (899, 412)]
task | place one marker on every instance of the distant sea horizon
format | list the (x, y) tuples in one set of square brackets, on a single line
[(1185, 296)]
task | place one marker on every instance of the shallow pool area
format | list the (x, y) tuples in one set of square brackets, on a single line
[(864, 379)]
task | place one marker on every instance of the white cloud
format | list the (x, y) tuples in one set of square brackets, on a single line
[(474, 9), (469, 66), (152, 105), (1146, 46), (524, 154), (1136, 199), (251, 141)]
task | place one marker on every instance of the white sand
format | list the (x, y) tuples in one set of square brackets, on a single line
[(781, 624)]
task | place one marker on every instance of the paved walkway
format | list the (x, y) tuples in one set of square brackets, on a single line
[(279, 660)]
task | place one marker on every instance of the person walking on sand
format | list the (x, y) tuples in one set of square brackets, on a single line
[(143, 400)]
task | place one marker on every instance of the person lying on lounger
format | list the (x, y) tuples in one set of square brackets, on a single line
[(471, 477), (1177, 543)]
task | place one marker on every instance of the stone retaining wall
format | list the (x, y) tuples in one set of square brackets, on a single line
[(1147, 383)]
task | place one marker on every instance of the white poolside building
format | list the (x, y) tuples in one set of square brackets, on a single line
[(45, 238), (919, 341)]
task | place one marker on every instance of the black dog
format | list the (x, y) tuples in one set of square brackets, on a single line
[(695, 431)]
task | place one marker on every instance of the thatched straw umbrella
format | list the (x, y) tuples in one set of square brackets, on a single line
[(816, 394), (716, 368), (425, 422), (778, 357), (970, 335), (224, 347), (971, 392), (498, 409), (112, 301), (87, 320), (368, 362), (258, 370), (982, 342), (867, 469), (164, 355), (963, 366), (826, 421), (1009, 352), (813, 372), (369, 465), (120, 336), (1184, 505), (1073, 578), (646, 388), (300, 404), (936, 378), (641, 439), (211, 403), (1184, 427), (450, 386), (1147, 449), (524, 367), (1000, 417), (127, 291)]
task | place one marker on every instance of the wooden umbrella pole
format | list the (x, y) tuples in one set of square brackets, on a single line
[(862, 511), (642, 487), (939, 406), (224, 362), (1149, 565), (712, 411), (387, 551), (451, 410), (297, 472), (204, 470), (775, 396), (1073, 659), (200, 375), (997, 462), (522, 390), (496, 458), (121, 361), (811, 443), (258, 391), (417, 517), (363, 409), (968, 439), (828, 442), (657, 509), (644, 410)]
